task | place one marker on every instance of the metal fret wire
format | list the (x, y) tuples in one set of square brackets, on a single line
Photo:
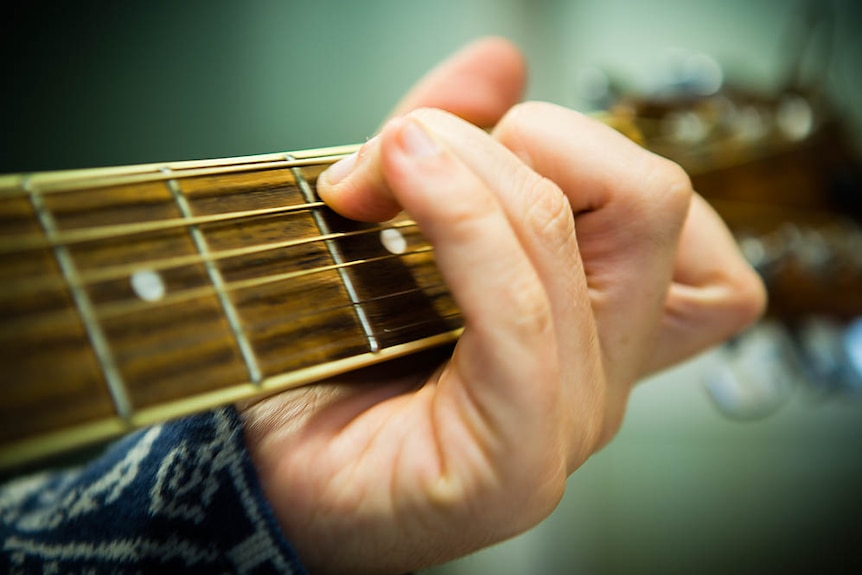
[(106, 311), (59, 243), (101, 348), (73, 180), (230, 311), (338, 258)]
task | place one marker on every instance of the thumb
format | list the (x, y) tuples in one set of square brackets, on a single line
[(479, 83)]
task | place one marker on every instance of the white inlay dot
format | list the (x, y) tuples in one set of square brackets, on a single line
[(393, 240), (148, 285)]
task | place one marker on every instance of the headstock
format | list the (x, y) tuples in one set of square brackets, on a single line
[(782, 172)]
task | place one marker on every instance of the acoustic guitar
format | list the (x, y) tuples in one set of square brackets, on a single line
[(132, 295)]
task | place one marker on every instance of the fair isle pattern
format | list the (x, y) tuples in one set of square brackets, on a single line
[(182, 496)]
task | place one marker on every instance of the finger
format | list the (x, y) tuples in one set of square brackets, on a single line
[(478, 83), (715, 293), (630, 206), (541, 217), (355, 188), (504, 372)]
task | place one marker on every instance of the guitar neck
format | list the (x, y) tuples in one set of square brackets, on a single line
[(132, 295)]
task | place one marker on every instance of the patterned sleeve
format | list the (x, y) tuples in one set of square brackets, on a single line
[(179, 497)]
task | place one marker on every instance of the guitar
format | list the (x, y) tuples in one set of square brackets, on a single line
[(132, 295), (782, 174)]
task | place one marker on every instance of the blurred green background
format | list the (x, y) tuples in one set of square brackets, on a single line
[(683, 489), (92, 83)]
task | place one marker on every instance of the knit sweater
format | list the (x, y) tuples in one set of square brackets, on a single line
[(178, 497)]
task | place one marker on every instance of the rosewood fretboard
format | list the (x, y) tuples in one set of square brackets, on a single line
[(131, 295)]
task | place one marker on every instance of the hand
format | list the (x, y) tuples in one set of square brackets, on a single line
[(580, 262)]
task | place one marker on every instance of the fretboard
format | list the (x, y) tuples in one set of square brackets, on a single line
[(132, 295)]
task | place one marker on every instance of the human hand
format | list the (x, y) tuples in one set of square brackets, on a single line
[(580, 263)]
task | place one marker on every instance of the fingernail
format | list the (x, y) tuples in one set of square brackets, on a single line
[(416, 141), (339, 170)]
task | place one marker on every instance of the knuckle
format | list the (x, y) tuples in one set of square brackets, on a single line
[(548, 214), (673, 188), (663, 205), (523, 115), (528, 306), (748, 302), (428, 114), (467, 219), (511, 119), (520, 114)]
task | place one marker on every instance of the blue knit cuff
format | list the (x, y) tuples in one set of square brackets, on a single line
[(179, 496)]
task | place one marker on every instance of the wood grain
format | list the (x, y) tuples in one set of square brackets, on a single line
[(275, 271), (50, 377)]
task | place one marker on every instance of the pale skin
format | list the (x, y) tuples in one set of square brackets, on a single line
[(581, 264)]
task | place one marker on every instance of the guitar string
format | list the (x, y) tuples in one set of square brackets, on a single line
[(28, 242), (111, 232), (81, 179), (78, 180), (33, 285), (445, 327), (117, 272), (89, 180), (58, 320), (106, 311), (427, 290), (106, 233), (433, 290)]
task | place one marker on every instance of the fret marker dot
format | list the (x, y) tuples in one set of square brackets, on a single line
[(393, 241), (148, 285)]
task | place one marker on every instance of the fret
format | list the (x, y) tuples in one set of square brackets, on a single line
[(90, 179), (113, 379), (275, 289), (164, 346), (406, 297), (170, 351), (122, 280), (50, 379), (291, 332), (402, 294), (338, 258), (218, 283), (186, 277)]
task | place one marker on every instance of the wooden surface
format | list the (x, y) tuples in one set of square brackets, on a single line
[(253, 299)]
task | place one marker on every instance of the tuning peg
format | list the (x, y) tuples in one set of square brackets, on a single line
[(755, 373), (852, 343)]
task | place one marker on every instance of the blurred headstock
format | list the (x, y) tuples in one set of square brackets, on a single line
[(782, 173)]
